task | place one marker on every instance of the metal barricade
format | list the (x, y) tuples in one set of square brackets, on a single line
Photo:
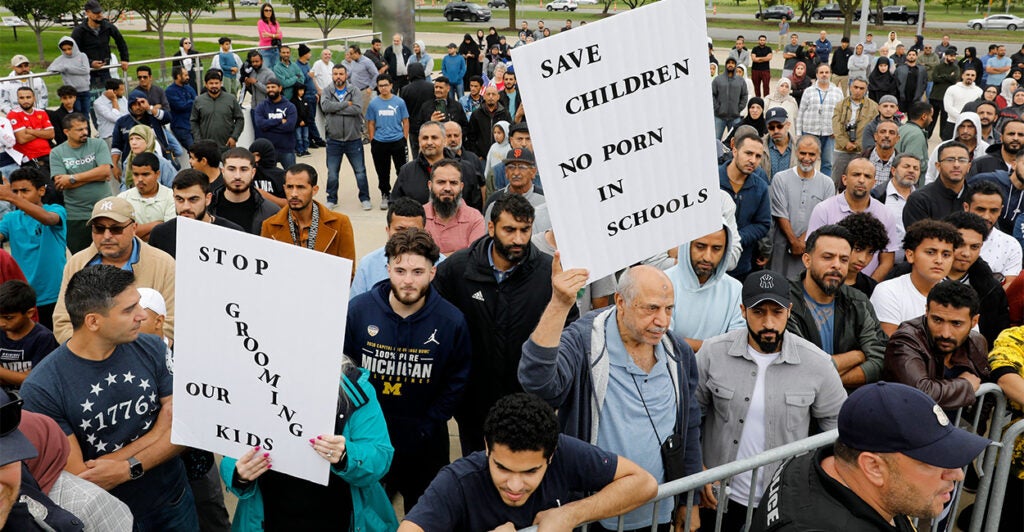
[(993, 511)]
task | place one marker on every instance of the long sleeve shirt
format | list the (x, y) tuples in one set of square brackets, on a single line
[(816, 109)]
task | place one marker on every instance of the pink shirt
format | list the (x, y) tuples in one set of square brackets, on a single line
[(264, 27), (459, 232)]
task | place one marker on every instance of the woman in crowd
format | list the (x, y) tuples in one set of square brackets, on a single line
[(753, 117), (800, 81), (492, 37), (859, 63), (990, 94), (360, 454), (471, 52), (141, 138), (270, 36), (970, 60), (881, 82), (781, 97), (741, 71), (1015, 110), (190, 64), (420, 55), (1006, 89)]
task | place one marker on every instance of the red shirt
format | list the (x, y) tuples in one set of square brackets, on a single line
[(38, 119)]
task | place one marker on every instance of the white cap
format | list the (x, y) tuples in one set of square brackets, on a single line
[(152, 300)]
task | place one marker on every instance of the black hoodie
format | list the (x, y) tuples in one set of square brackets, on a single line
[(269, 177)]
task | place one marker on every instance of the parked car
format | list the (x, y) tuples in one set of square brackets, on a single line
[(894, 14), (591, 2), (249, 2), (827, 11), (561, 5), (775, 12), (497, 3), (1008, 22), (466, 11)]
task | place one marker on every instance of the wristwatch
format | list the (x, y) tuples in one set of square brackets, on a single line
[(72, 179), (134, 468)]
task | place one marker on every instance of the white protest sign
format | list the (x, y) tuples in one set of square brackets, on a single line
[(624, 139), (259, 330)]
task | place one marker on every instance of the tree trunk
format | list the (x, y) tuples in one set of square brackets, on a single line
[(39, 44), (231, 6), (848, 24), (163, 51), (512, 13), (298, 15)]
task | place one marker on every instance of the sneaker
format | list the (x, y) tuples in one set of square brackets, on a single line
[(331, 205), (366, 205), (384, 202)]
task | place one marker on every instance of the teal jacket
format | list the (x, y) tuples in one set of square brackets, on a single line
[(369, 458), (290, 76)]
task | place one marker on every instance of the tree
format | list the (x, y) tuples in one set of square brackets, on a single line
[(512, 13), (40, 15), (156, 13), (328, 14), (633, 4), (193, 9), (806, 8), (231, 6), (849, 9), (607, 5)]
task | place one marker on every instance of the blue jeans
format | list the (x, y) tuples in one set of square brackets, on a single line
[(336, 150), (827, 144), (286, 159), (301, 139), (178, 516), (456, 90), (270, 57), (83, 104), (721, 124)]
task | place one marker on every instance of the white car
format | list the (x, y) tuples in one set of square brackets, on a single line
[(1002, 22), (562, 5)]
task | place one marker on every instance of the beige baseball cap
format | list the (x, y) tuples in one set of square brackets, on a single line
[(115, 208)]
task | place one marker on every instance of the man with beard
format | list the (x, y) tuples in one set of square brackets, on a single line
[(850, 119), (521, 169), (238, 200), (343, 115), (275, 119), (944, 195), (452, 224), (1001, 251), (480, 133), (968, 131), (1002, 155), (815, 115), (988, 113), (192, 197), (308, 223), (408, 317), (739, 179), (396, 59), (729, 93), (501, 283), (912, 80), (32, 130), (794, 193), (887, 109), (255, 76), (971, 269), (734, 385), (81, 169), (945, 75), (856, 198), (939, 353), (835, 317), (217, 116), (894, 191), (472, 166)]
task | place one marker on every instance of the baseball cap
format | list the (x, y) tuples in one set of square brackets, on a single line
[(18, 60), (518, 126), (950, 50), (520, 155), (888, 417), (93, 6), (765, 285), (152, 300), (273, 81), (889, 98), (14, 446), (452, 45), (776, 114), (115, 208)]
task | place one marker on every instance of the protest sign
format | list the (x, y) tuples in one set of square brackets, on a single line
[(259, 333), (624, 140)]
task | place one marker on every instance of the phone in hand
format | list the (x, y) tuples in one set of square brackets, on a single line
[(440, 106)]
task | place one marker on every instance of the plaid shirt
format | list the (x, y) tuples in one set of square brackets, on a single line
[(816, 109), (97, 509), (882, 168)]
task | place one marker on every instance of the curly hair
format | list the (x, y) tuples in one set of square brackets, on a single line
[(928, 228), (866, 231), (522, 422), (414, 241), (955, 294), (969, 221)]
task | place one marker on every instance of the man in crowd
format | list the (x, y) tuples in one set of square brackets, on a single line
[(883, 154), (343, 116), (453, 67), (452, 224), (912, 80), (997, 67), (938, 353), (402, 313), (80, 168), (894, 191), (888, 106), (967, 132), (740, 361), (518, 137), (1001, 251), (472, 165), (192, 197), (969, 268), (93, 36), (9, 89), (529, 475), (238, 200), (928, 246), (510, 98), (442, 108), (729, 95), (152, 202), (912, 134), (32, 130), (791, 54), (275, 119), (416, 94), (403, 213), (988, 113), (414, 175), (740, 53), (876, 476), (205, 156), (182, 98), (108, 108), (946, 75), (856, 198), (616, 345), (522, 169), (362, 76), (114, 243), (396, 59), (387, 123), (835, 317), (1002, 155), (306, 222), (817, 108), (740, 179), (480, 133), (374, 54), (849, 120), (794, 193), (840, 65), (288, 74), (154, 93), (255, 75), (107, 363), (779, 143), (473, 98), (945, 194), (501, 283), (957, 96)]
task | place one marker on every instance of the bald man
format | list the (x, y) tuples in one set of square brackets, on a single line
[(637, 361)]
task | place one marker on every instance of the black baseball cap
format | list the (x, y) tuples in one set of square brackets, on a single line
[(765, 285), (14, 446), (520, 155), (93, 6)]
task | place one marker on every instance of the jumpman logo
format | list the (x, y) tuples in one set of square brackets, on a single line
[(433, 338)]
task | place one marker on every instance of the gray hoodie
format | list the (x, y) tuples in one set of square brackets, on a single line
[(933, 173), (74, 69)]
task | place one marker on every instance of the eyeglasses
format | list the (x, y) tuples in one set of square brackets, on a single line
[(950, 160), (114, 229), (776, 125), (144, 77), (10, 415), (519, 166)]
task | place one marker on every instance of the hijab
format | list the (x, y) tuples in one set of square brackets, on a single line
[(468, 46), (147, 134), (51, 444), (1004, 90), (759, 123), (882, 83)]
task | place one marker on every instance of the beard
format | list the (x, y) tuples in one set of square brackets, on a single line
[(445, 208), (199, 215), (829, 287), (805, 168), (513, 254), (409, 299), (767, 345)]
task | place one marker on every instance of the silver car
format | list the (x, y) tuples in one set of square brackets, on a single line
[(1002, 22)]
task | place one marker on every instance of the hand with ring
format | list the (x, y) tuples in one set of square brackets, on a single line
[(253, 464), (329, 447)]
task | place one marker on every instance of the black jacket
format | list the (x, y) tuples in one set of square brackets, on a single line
[(414, 175), (390, 59), (501, 317), (264, 209), (480, 133), (415, 94), (990, 162), (453, 112), (97, 45), (933, 201)]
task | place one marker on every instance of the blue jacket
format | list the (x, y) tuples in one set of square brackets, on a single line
[(181, 100), (753, 213), (369, 458), (453, 67), (276, 122)]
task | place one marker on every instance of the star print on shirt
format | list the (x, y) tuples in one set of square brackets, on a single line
[(144, 384), (152, 397), (128, 377), (117, 448), (96, 389), (86, 424), (101, 446), (87, 406), (111, 379), (146, 426), (91, 438)]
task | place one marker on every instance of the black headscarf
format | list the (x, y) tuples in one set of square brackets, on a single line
[(881, 83)]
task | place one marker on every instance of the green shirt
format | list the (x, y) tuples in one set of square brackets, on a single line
[(64, 159)]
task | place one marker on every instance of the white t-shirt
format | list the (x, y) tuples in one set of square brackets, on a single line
[(1002, 252), (897, 301), (753, 435)]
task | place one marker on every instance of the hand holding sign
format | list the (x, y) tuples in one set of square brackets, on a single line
[(565, 284), (252, 464)]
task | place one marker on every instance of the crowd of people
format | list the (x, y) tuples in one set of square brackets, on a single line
[(850, 259)]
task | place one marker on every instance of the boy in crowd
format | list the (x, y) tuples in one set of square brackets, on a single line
[(23, 342)]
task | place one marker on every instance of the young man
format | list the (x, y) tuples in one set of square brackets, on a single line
[(23, 342), (867, 235), (929, 246), (405, 317), (192, 196), (32, 129), (182, 98), (760, 70), (969, 268), (332, 233), (239, 200), (343, 115), (746, 185), (403, 213), (275, 120), (80, 168), (38, 236), (944, 195), (217, 116), (452, 224), (387, 123), (472, 100), (82, 384), (153, 203), (68, 102), (73, 66), (109, 108), (1001, 251), (529, 474)]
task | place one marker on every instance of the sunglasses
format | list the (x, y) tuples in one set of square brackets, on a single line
[(775, 125), (10, 415), (114, 229)]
